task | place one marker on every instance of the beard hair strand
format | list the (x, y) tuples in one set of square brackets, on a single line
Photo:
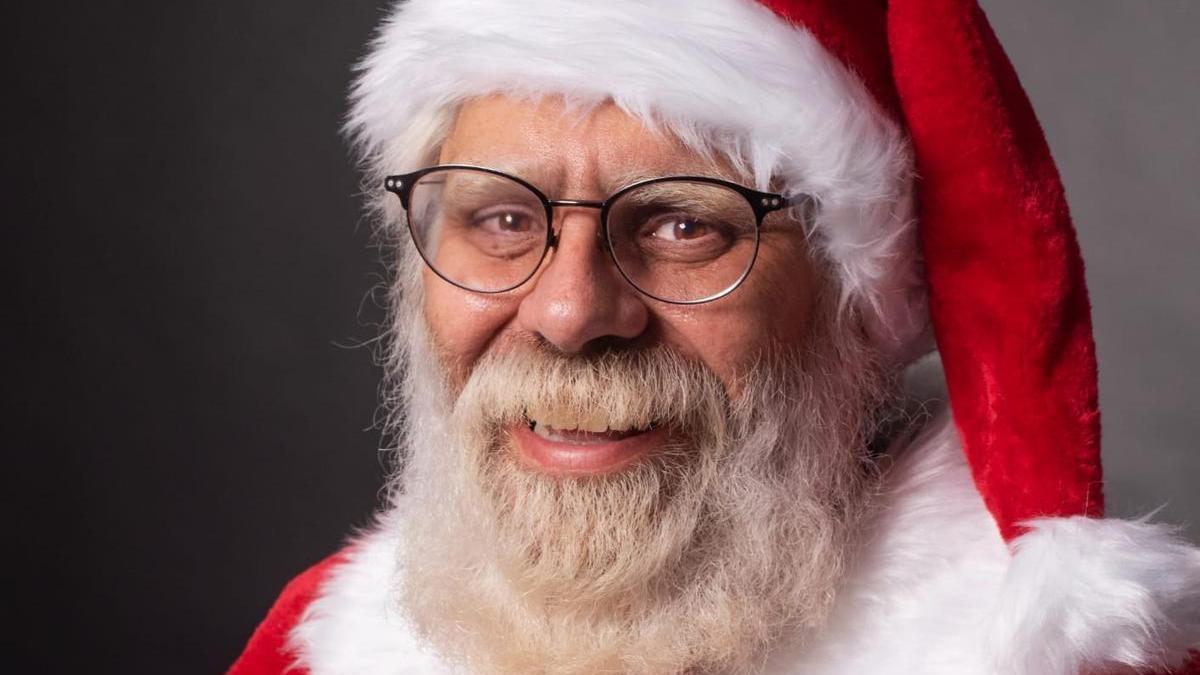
[(696, 559)]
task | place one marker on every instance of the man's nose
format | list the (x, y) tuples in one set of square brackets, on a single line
[(580, 296)]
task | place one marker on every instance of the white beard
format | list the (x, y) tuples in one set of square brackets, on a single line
[(696, 559)]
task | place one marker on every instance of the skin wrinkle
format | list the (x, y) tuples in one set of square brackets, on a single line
[(729, 535), (608, 146)]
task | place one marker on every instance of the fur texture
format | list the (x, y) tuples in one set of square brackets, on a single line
[(935, 591), (1007, 293)]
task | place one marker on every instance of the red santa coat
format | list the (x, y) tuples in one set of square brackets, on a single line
[(935, 590)]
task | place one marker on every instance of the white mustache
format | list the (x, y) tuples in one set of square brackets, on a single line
[(613, 391)]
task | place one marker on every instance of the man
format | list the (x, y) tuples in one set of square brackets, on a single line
[(663, 268)]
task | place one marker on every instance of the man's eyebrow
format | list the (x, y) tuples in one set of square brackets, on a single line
[(627, 176), (545, 176), (549, 176)]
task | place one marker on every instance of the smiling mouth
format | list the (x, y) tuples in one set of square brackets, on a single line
[(558, 443)]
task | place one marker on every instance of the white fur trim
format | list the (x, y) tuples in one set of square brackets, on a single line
[(723, 73), (1081, 592), (919, 597), (935, 591), (354, 625)]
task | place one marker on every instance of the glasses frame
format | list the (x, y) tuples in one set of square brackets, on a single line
[(762, 203)]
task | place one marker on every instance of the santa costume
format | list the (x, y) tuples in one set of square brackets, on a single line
[(991, 553)]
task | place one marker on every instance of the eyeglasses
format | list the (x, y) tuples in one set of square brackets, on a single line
[(678, 239)]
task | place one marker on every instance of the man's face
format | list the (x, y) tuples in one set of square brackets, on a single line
[(578, 303), (599, 478)]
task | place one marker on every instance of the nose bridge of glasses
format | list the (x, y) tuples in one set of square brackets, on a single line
[(574, 204), (581, 203)]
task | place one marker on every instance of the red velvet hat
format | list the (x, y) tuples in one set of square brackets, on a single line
[(845, 100), (1007, 296)]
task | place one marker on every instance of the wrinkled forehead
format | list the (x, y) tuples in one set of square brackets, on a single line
[(564, 148)]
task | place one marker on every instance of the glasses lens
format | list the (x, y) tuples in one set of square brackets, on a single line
[(683, 241), (477, 230)]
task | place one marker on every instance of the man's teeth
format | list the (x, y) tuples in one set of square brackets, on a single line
[(572, 435), (591, 425), (563, 420)]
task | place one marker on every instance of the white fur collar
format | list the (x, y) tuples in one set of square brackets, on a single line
[(935, 591)]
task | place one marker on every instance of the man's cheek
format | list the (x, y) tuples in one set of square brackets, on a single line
[(463, 325), (730, 349)]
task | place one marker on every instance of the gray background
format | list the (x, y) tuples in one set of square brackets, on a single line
[(1116, 84), (185, 267)]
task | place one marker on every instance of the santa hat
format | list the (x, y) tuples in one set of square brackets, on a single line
[(822, 99), (842, 100)]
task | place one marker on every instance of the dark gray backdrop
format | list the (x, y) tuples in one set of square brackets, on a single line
[(187, 269)]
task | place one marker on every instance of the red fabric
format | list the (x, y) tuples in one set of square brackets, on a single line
[(1192, 667), (855, 31), (266, 653), (1007, 295)]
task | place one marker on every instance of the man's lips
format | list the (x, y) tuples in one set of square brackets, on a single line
[(581, 452)]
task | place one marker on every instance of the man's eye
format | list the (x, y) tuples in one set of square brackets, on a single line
[(501, 221), (678, 228)]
